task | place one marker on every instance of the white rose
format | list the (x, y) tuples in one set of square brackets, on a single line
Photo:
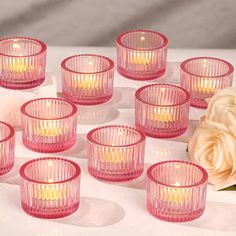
[(222, 107), (213, 146)]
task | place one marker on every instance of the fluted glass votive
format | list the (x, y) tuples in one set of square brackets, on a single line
[(7, 147), (22, 62), (48, 124), (162, 110), (87, 79), (176, 190), (141, 54), (50, 187), (202, 76), (115, 153)]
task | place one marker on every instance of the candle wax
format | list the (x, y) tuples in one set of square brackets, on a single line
[(19, 66), (48, 129), (161, 115)]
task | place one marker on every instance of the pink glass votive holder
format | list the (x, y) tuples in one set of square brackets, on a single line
[(87, 79), (162, 110), (7, 147), (115, 153), (50, 187), (202, 76), (48, 124), (141, 54), (176, 190), (22, 62)]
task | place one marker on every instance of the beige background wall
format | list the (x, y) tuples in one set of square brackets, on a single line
[(187, 23)]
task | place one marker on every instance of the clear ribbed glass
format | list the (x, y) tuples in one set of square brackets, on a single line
[(176, 191), (141, 54), (202, 76), (115, 153), (162, 110), (48, 124), (22, 62), (87, 79), (50, 187), (7, 147)]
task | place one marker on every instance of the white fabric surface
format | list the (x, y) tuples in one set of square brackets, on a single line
[(116, 209)]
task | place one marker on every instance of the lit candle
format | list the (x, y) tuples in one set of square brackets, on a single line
[(50, 187), (175, 195), (161, 115), (139, 58), (23, 62), (86, 82), (205, 86), (19, 66), (176, 190), (48, 128), (115, 153)]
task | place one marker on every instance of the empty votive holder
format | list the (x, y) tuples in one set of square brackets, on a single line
[(7, 147), (115, 153), (48, 124), (162, 110), (50, 187), (176, 190), (202, 76), (87, 79), (141, 54), (22, 62)]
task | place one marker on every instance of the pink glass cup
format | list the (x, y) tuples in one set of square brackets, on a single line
[(141, 54), (50, 187), (162, 110), (87, 79), (22, 62), (7, 148), (48, 124), (115, 153), (176, 191), (202, 76)]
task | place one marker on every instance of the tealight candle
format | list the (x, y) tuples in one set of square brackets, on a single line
[(202, 76), (87, 79), (7, 147), (22, 62), (50, 187), (141, 54), (49, 124), (162, 110), (115, 153), (176, 190)]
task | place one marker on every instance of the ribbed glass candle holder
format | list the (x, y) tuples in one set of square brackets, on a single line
[(162, 110), (22, 62), (7, 147), (50, 187), (115, 153), (141, 54), (87, 79), (176, 191), (202, 76), (48, 124)]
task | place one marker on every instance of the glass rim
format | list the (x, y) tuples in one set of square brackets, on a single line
[(230, 67), (11, 133), (92, 140), (73, 112), (74, 176), (138, 95), (119, 42), (109, 68), (41, 43), (198, 183)]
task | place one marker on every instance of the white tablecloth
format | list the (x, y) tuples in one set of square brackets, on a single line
[(108, 208)]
